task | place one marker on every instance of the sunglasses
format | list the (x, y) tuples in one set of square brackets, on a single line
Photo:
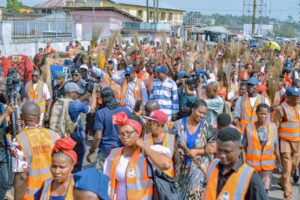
[(34, 75), (75, 75)]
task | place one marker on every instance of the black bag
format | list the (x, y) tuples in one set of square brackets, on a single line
[(164, 186)]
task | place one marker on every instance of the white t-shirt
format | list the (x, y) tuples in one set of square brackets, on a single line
[(122, 167)]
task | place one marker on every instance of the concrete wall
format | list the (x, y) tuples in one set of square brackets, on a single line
[(30, 47)]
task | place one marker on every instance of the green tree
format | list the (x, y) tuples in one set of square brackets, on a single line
[(13, 6), (285, 30)]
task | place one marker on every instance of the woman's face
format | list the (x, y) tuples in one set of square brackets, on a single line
[(262, 115), (153, 126), (61, 167), (128, 135), (199, 113)]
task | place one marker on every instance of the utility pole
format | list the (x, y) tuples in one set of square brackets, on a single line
[(157, 11), (154, 11), (254, 17), (147, 4)]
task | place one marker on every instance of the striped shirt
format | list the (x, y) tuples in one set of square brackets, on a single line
[(166, 94)]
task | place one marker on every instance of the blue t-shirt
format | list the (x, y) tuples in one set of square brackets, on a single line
[(75, 108), (103, 122)]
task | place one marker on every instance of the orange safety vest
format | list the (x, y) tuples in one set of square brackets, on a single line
[(236, 186), (169, 142), (47, 190), (107, 82), (290, 130), (37, 95), (257, 156), (248, 114), (138, 184), (37, 144), (136, 91)]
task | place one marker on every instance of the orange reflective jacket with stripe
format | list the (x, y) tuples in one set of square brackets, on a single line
[(260, 157), (136, 91), (36, 95), (248, 114), (290, 129), (235, 187), (138, 184), (37, 144), (169, 142), (47, 190)]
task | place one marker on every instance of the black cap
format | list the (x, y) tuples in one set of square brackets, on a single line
[(75, 71)]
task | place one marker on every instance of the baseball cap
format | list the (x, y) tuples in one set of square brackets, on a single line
[(158, 116), (253, 81), (84, 67), (72, 87), (288, 65), (129, 70), (292, 91), (162, 69), (94, 181), (75, 71)]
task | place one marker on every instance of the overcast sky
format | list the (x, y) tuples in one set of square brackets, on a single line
[(275, 8)]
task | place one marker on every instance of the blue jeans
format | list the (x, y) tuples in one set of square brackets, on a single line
[(5, 173), (79, 149)]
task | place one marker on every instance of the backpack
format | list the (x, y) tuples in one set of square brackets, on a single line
[(60, 120)]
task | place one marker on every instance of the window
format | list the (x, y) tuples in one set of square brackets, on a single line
[(175, 17), (163, 16), (151, 15), (170, 17), (140, 14)]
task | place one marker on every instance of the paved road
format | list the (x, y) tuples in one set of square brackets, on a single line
[(275, 194)]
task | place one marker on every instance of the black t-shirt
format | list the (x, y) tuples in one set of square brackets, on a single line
[(58, 92)]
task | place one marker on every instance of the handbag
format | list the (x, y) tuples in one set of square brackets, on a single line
[(164, 186)]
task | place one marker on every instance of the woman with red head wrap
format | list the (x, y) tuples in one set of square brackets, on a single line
[(60, 186), (127, 166)]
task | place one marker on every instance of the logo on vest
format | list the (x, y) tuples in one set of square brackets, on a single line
[(131, 173), (225, 196)]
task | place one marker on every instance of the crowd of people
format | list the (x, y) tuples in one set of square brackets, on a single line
[(215, 121)]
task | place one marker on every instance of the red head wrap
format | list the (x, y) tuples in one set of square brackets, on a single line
[(121, 119), (66, 145)]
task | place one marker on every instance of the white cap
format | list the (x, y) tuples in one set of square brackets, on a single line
[(84, 67)]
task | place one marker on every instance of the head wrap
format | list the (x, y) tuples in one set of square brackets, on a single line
[(66, 145), (121, 119)]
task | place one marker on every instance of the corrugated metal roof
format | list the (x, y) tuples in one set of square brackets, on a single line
[(51, 4), (162, 4)]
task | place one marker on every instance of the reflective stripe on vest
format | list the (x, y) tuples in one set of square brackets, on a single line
[(260, 158), (169, 142), (37, 95), (138, 184), (47, 190), (247, 113), (37, 144), (290, 130), (116, 88), (234, 189), (136, 91)]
